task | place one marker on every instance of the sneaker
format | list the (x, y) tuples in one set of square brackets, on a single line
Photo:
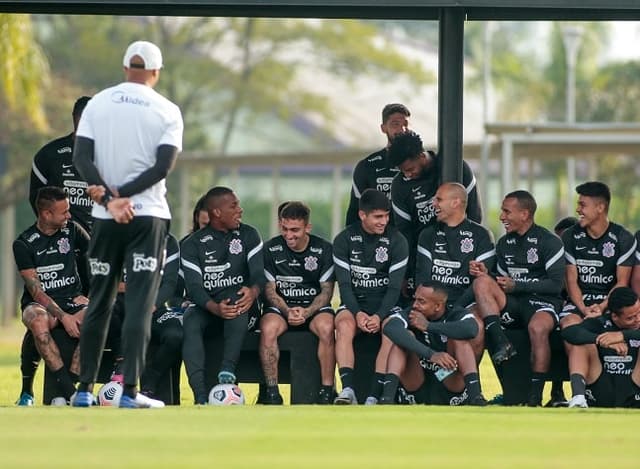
[(579, 401), (504, 353), (384, 401), (498, 399), (371, 400), (478, 401), (534, 400), (25, 400), (226, 377), (346, 397), (59, 402), (326, 396), (140, 402), (82, 399), (557, 400), (271, 397)]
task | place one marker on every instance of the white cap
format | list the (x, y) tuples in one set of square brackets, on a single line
[(147, 51)]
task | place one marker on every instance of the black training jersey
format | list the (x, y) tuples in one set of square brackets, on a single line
[(370, 268), (534, 260), (372, 172), (412, 199), (597, 259), (298, 275), (55, 258), (53, 166), (613, 364), (217, 264), (637, 253), (444, 254)]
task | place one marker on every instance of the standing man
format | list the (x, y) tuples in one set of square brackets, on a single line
[(224, 274), (375, 171), (370, 258), (527, 291), (299, 271), (127, 141), (413, 191), (47, 255)]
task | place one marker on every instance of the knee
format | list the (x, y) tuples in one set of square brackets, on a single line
[(481, 284), (540, 328), (326, 331)]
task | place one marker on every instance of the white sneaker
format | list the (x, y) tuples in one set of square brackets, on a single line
[(346, 397), (145, 402), (578, 401), (371, 401), (59, 401)]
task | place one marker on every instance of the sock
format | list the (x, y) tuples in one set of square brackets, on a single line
[(273, 389), (537, 384), (556, 389), (376, 385), (390, 387), (494, 332), (29, 361), (472, 383), (130, 390), (64, 382), (346, 377), (328, 388), (578, 384)]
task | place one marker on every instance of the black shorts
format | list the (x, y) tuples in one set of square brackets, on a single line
[(588, 299), (520, 309), (433, 392), (66, 305), (301, 327), (610, 391)]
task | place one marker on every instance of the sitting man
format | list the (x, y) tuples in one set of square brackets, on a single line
[(47, 255), (527, 291), (299, 271), (370, 259), (441, 343), (224, 273), (603, 361)]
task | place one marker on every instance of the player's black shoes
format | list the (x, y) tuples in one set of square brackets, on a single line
[(504, 352)]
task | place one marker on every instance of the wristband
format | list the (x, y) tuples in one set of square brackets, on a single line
[(106, 199)]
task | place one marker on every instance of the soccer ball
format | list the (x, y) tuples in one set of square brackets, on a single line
[(226, 394), (109, 394)]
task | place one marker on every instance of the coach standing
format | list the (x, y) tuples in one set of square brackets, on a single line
[(127, 142)]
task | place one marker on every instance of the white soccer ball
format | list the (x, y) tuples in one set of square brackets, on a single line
[(110, 394), (226, 394)]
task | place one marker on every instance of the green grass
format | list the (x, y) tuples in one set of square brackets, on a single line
[(306, 436)]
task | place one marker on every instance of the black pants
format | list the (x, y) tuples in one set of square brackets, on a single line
[(166, 337), (138, 246), (197, 324)]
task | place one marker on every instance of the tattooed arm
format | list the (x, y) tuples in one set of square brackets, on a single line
[(33, 286), (322, 299), (275, 300)]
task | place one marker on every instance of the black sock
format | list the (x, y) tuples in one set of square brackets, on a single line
[(64, 382), (494, 332), (346, 377), (556, 389), (578, 384), (328, 388), (273, 389), (537, 384), (472, 382), (376, 385), (29, 361), (130, 390), (390, 387)]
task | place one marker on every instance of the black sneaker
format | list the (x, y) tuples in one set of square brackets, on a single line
[(504, 353), (478, 401), (271, 397), (557, 400), (326, 396), (534, 399)]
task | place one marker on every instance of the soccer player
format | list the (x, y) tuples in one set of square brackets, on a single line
[(603, 361), (413, 191), (47, 255), (127, 142), (432, 340), (299, 270), (370, 259), (224, 273), (527, 291), (375, 171), (599, 254), (53, 166), (448, 249), (635, 272)]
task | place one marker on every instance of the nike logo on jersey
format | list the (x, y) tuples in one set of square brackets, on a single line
[(379, 169), (415, 189), (39, 253), (209, 253), (580, 248), (280, 261), (67, 166)]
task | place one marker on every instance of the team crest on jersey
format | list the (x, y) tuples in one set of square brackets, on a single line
[(235, 246), (381, 254), (466, 245), (311, 263), (532, 255), (63, 245), (608, 249)]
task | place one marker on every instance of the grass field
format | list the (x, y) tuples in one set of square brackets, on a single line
[(306, 436)]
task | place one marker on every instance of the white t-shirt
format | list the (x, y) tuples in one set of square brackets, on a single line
[(127, 123)]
